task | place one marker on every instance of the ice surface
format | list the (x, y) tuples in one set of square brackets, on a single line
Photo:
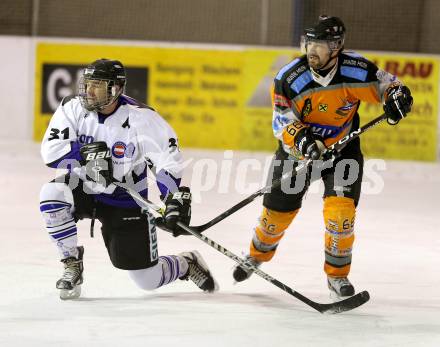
[(396, 258)]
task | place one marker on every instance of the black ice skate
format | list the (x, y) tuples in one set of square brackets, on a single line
[(198, 272), (70, 283), (340, 287), (240, 273)]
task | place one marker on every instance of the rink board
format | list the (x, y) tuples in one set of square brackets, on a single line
[(220, 98)]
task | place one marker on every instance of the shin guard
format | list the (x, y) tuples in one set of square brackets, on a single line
[(269, 232), (339, 216)]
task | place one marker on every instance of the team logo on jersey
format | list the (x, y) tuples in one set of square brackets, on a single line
[(323, 107), (346, 108), (118, 149), (307, 108)]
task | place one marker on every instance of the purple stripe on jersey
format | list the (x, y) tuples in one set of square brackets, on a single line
[(103, 117), (166, 182), (142, 176), (65, 233), (126, 100), (45, 207), (73, 154)]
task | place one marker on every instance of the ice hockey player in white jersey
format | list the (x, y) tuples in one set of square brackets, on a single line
[(102, 136)]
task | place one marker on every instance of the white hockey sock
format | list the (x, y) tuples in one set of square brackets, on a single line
[(173, 266), (168, 269), (61, 227), (56, 202)]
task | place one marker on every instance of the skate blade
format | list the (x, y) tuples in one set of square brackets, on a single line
[(216, 286), (235, 282), (72, 294), (215, 289)]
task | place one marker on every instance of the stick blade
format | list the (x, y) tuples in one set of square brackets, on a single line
[(346, 304)]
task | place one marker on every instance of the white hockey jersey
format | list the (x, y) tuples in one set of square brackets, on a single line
[(137, 136)]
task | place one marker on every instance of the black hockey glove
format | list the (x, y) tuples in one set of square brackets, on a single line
[(177, 209), (306, 144), (397, 104), (97, 159)]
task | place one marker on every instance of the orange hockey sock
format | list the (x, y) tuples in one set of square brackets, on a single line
[(269, 232), (339, 216)]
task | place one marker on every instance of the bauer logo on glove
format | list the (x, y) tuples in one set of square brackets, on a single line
[(178, 209), (97, 160)]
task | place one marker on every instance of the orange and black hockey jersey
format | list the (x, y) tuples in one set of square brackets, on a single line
[(327, 104)]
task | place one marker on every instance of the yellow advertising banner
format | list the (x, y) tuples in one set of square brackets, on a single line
[(261, 66), (197, 91), (221, 98), (414, 138)]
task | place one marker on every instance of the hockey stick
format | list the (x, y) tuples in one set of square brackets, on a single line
[(336, 307), (302, 167)]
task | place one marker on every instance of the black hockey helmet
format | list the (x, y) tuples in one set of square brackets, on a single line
[(106, 77), (330, 29), (105, 69)]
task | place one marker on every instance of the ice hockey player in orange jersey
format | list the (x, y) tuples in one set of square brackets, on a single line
[(315, 103)]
